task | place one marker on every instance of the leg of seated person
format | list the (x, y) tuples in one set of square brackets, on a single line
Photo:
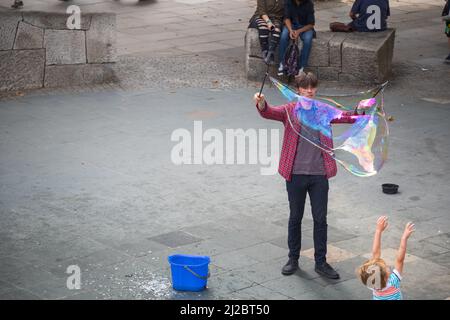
[(284, 41), (263, 33), (273, 42), (307, 38)]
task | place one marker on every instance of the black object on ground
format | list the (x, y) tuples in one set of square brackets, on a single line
[(390, 188)]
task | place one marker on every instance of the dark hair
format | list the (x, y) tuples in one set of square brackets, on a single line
[(306, 80)]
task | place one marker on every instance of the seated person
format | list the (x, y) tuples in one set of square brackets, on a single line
[(268, 20), (367, 16), (299, 23)]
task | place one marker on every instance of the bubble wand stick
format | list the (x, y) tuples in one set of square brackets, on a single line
[(264, 80)]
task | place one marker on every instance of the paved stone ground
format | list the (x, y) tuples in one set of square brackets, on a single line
[(86, 176)]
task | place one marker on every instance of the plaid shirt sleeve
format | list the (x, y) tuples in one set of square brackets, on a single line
[(273, 113)]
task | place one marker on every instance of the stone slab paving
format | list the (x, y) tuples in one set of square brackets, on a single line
[(87, 180), (86, 176)]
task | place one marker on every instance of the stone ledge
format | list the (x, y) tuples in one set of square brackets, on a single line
[(101, 39), (22, 69), (76, 75), (55, 20), (8, 26), (29, 37), (61, 54), (65, 46), (352, 57), (368, 58)]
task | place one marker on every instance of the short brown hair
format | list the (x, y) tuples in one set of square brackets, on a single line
[(306, 80), (367, 270)]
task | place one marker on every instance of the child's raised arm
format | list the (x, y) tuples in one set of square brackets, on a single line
[(409, 229), (376, 247)]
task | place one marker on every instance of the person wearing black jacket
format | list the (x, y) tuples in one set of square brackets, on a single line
[(299, 22)]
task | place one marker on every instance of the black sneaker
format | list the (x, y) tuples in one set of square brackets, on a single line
[(264, 54), (18, 4), (290, 267), (447, 60), (326, 270)]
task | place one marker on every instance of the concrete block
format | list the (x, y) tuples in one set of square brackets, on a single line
[(256, 68), (8, 27), (328, 73), (54, 20), (314, 70), (252, 46), (101, 39), (320, 53), (74, 75), (335, 45), (351, 78), (29, 37), (368, 57), (65, 46), (254, 65), (21, 69)]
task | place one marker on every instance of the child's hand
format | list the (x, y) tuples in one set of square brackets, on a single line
[(382, 223), (409, 229)]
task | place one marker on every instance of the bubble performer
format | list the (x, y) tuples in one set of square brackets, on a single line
[(308, 156)]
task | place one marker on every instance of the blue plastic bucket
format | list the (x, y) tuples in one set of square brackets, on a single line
[(189, 273)]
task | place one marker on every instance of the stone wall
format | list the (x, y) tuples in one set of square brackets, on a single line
[(349, 57), (38, 50)]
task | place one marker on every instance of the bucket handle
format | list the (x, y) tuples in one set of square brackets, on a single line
[(196, 274)]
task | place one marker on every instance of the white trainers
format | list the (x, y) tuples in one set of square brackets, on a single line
[(280, 69), (300, 71)]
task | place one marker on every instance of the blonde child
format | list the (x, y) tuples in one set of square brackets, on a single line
[(376, 274)]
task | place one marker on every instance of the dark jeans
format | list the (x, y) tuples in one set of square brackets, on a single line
[(317, 188)]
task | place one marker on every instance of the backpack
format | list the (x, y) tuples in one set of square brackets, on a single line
[(290, 61)]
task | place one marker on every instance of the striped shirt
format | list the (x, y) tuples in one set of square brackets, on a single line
[(392, 290)]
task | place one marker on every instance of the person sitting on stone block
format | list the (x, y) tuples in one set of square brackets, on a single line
[(268, 20), (367, 16), (383, 280), (299, 22)]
